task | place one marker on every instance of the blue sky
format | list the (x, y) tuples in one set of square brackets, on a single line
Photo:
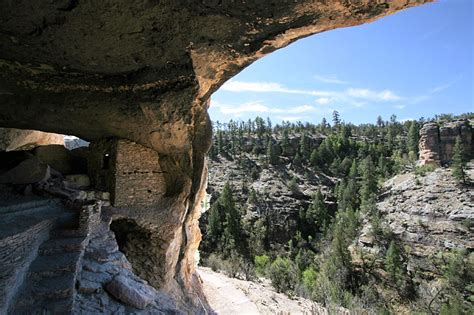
[(418, 62)]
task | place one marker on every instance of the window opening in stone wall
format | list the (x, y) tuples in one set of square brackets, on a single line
[(106, 161)]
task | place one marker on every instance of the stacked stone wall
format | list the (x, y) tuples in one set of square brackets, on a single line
[(139, 178), (17, 251), (129, 171)]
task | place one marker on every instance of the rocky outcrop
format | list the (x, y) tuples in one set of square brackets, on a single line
[(437, 141), (144, 71), (429, 216), (17, 139)]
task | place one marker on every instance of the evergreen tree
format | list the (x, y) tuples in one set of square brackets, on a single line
[(214, 228), (317, 213), (304, 146), (232, 225), (380, 122), (459, 161), (393, 263), (413, 137), (314, 157), (272, 157), (369, 181), (297, 159), (336, 120), (324, 125)]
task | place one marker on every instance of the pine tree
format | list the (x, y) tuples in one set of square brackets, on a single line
[(297, 159), (314, 158), (336, 120), (214, 227), (272, 157), (369, 181), (317, 212), (232, 225), (413, 138), (393, 263), (459, 161), (380, 122), (304, 147)]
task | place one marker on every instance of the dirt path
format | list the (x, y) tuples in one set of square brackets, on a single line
[(232, 296)]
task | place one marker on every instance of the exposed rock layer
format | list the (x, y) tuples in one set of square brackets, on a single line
[(144, 71), (16, 139), (437, 141)]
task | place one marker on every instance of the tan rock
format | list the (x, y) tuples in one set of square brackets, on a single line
[(437, 142), (144, 71), (77, 181), (18, 139), (29, 171)]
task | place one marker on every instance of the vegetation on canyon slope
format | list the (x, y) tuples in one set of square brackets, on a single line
[(319, 260)]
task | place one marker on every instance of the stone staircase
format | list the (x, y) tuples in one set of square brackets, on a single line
[(50, 286), (41, 249)]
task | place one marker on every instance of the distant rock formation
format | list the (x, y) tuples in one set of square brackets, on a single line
[(437, 141), (17, 139)]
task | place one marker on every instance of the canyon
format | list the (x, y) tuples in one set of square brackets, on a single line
[(135, 80)]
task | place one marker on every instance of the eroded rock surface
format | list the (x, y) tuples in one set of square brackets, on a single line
[(437, 141), (16, 139), (430, 216), (144, 71)]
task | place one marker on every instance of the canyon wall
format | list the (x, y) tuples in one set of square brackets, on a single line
[(437, 141), (144, 71)]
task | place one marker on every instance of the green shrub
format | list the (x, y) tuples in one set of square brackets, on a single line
[(261, 264), (214, 262), (422, 170), (282, 274), (309, 278)]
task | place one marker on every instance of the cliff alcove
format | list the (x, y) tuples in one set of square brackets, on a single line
[(141, 73)]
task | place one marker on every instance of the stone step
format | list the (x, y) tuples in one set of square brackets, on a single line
[(62, 245), (52, 265), (28, 207), (49, 306), (54, 287)]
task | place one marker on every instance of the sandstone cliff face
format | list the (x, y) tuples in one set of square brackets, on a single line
[(437, 142), (144, 71), (16, 139)]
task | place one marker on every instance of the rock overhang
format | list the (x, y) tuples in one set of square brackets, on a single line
[(144, 71), (141, 65)]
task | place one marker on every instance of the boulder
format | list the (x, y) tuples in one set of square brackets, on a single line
[(130, 292), (18, 139), (77, 181), (56, 156), (29, 171)]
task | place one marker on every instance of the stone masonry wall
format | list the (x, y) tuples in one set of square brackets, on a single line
[(129, 171), (437, 142), (16, 253), (101, 175), (139, 178)]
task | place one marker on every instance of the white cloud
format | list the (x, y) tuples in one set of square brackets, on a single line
[(259, 108), (350, 95), (371, 95), (267, 87), (400, 106), (329, 79), (324, 100)]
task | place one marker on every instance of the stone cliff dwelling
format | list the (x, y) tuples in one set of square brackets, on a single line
[(134, 78), (129, 171)]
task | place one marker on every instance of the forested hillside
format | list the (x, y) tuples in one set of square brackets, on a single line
[(293, 203)]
